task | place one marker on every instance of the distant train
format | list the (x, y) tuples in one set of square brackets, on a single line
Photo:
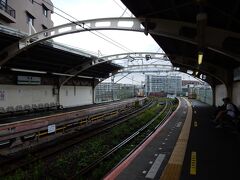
[(140, 93)]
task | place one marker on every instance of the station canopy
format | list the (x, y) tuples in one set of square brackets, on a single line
[(188, 28), (52, 58)]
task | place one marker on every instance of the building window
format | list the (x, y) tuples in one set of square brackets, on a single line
[(45, 11), (4, 1), (30, 19), (44, 27)]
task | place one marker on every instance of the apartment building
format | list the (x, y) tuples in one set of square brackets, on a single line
[(26, 15), (167, 84)]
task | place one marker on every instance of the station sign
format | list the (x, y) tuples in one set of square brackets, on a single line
[(28, 80), (51, 128)]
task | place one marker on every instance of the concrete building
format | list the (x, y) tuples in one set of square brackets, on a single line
[(167, 84), (26, 15)]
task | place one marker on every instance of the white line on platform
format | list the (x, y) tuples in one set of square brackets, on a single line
[(178, 124), (156, 165)]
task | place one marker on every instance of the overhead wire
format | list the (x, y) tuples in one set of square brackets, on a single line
[(106, 38), (125, 10)]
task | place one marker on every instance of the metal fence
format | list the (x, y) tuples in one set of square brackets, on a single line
[(107, 92), (205, 95), (9, 10)]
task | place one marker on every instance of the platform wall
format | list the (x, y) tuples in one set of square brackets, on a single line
[(236, 94), (221, 92), (75, 95), (12, 95), (204, 95)]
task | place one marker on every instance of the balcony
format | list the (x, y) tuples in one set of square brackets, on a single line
[(7, 13)]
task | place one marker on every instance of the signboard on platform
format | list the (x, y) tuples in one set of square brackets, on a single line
[(28, 80), (51, 128)]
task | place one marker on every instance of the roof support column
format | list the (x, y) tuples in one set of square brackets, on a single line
[(58, 89), (112, 86), (229, 83), (214, 95), (94, 84), (229, 90)]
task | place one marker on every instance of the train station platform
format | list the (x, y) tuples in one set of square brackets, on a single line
[(212, 153), (188, 147), (149, 160), (25, 115)]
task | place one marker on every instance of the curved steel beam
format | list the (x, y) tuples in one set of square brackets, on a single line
[(147, 68), (218, 77), (127, 24), (153, 26), (161, 27), (190, 67), (127, 73), (132, 55), (137, 55), (144, 71), (159, 66)]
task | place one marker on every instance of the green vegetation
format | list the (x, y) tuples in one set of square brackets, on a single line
[(70, 164), (33, 172)]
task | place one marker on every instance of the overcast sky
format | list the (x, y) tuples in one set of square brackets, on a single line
[(93, 9)]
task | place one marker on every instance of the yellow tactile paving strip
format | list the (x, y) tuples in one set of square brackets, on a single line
[(193, 167), (173, 169)]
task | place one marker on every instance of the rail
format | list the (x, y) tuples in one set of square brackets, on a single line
[(43, 153), (127, 140)]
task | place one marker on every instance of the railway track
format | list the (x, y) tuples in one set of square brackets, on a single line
[(167, 110), (10, 165)]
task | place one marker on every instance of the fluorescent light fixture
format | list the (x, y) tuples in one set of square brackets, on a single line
[(196, 73), (70, 75), (189, 72), (62, 74), (87, 77), (27, 70), (200, 57)]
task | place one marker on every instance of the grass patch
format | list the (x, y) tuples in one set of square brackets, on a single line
[(71, 163)]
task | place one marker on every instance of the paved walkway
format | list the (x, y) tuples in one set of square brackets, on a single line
[(149, 160), (212, 154)]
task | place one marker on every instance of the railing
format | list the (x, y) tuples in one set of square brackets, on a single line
[(7, 9)]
